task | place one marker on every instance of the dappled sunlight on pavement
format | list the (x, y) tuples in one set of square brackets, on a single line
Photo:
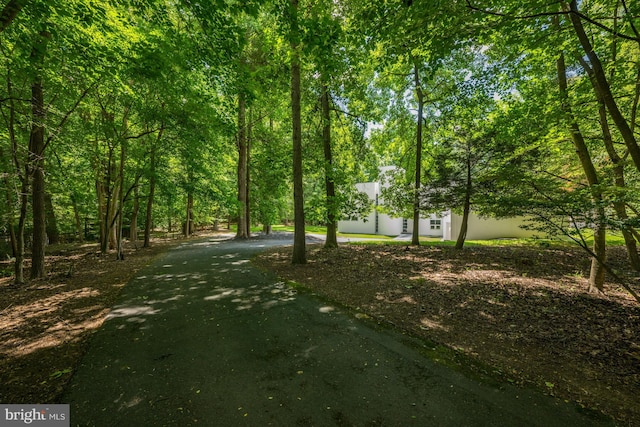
[(205, 338)]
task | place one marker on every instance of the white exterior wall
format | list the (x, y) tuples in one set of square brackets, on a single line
[(389, 226), (485, 228), (372, 189), (425, 226)]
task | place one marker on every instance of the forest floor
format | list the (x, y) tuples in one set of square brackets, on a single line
[(517, 314), (512, 314), (45, 325)]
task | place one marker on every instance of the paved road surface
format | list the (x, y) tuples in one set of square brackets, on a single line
[(203, 338)]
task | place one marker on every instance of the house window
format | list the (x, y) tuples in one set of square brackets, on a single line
[(377, 224), (435, 224), (405, 225)]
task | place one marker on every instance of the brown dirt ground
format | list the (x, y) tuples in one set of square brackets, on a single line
[(45, 325), (518, 314), (515, 314)]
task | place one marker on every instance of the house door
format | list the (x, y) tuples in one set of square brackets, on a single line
[(405, 225)]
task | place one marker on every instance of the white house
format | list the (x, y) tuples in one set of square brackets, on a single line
[(379, 223), (446, 226)]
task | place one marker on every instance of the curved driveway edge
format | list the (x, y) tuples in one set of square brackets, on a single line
[(202, 338)]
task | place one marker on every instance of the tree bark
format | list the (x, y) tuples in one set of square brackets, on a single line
[(36, 158), (618, 165), (597, 273), (188, 226), (119, 240), (329, 181), (11, 219), (133, 226), (23, 174), (10, 12), (602, 86), (19, 263), (415, 235), (152, 190), (619, 180), (247, 206), (51, 223), (466, 209), (241, 233), (299, 239)]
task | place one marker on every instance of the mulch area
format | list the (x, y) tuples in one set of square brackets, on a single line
[(522, 313)]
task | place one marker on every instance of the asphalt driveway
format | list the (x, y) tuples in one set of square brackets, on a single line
[(202, 338)]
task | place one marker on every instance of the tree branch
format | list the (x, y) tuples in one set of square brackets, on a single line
[(67, 115), (563, 13), (9, 12)]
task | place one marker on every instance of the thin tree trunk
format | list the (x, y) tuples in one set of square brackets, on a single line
[(133, 226), (466, 210), (299, 255), (23, 176), (597, 273), (10, 211), (11, 219), (113, 196), (19, 263), (247, 210), (188, 226), (9, 12), (119, 242), (618, 163), (36, 158), (102, 213), (51, 223), (603, 84), (152, 190), (241, 233), (329, 182), (415, 236), (619, 180)]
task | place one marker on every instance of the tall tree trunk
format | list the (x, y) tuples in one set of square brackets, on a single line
[(466, 209), (10, 208), (619, 180), (247, 206), (10, 11), (188, 226), (11, 219), (603, 84), (19, 263), (103, 208), (617, 169), (299, 255), (133, 226), (597, 273), (119, 240), (36, 158), (241, 233), (152, 189), (23, 174), (51, 224), (329, 181), (113, 196), (415, 236)]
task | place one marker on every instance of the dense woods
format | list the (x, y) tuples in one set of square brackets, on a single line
[(120, 118)]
